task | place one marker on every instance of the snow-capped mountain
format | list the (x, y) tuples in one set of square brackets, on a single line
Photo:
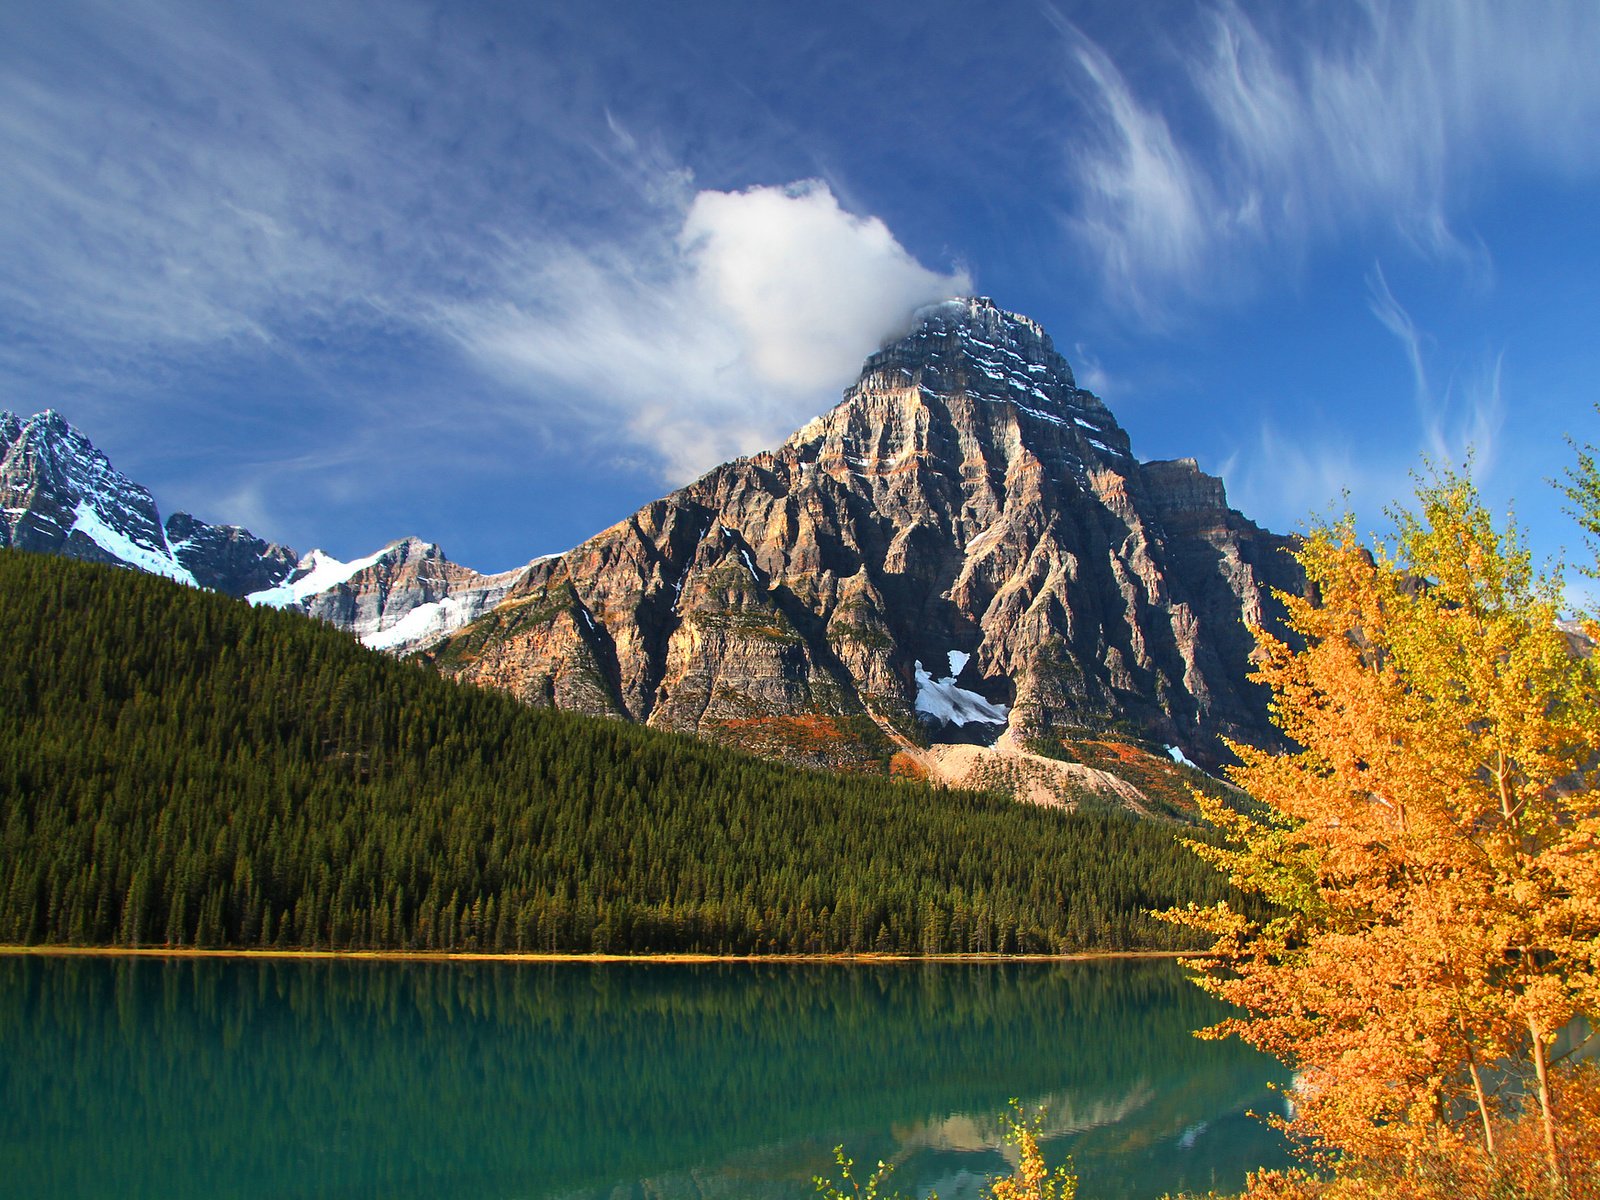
[(406, 596), (60, 495), (966, 505)]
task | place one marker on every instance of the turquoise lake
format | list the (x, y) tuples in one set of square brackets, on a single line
[(239, 1078)]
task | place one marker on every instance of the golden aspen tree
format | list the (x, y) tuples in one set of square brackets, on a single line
[(1430, 849)]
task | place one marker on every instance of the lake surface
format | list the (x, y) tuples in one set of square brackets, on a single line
[(239, 1078)]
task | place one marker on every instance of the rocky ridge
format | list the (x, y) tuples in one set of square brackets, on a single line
[(60, 495), (960, 572), (405, 597), (964, 547)]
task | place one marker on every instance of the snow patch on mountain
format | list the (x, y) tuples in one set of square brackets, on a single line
[(1182, 759), (426, 623), (317, 572), (942, 700), (88, 521)]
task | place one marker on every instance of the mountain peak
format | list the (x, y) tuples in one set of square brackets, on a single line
[(58, 494), (988, 330), (48, 430), (979, 312), (965, 502), (970, 374), (61, 495), (970, 346)]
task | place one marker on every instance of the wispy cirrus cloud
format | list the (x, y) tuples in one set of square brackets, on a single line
[(170, 186), (1463, 420), (1289, 470), (1142, 199), (1276, 134), (1296, 479)]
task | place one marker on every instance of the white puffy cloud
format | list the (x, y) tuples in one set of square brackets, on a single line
[(189, 192), (807, 287), (709, 338)]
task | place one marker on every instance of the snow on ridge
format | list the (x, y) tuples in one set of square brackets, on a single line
[(89, 522), (423, 623), (1182, 759), (321, 572), (944, 701), (1040, 415)]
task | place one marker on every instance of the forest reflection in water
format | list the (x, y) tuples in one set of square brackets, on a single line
[(276, 1078)]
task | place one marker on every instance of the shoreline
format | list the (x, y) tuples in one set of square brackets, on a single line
[(861, 959)]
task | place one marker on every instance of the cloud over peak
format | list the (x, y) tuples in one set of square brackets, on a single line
[(715, 333), (260, 189), (809, 288)]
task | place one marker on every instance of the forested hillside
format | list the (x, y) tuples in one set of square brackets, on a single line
[(177, 768)]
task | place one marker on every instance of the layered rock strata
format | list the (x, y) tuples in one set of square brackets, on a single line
[(966, 506)]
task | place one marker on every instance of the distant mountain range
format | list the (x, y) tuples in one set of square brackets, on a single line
[(60, 495), (960, 571)]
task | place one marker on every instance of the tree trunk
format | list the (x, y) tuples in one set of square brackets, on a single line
[(1483, 1102), (1541, 1069)]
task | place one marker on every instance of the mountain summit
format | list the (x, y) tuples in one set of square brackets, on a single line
[(964, 550), (961, 570)]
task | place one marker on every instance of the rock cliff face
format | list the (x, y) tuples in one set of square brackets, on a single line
[(963, 546), (961, 570), (227, 558)]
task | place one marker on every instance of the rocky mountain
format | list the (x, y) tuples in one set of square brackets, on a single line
[(406, 596), (960, 571), (60, 495), (963, 553)]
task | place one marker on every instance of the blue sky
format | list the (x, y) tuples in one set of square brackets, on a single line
[(496, 274)]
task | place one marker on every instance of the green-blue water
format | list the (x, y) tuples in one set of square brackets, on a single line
[(179, 1079)]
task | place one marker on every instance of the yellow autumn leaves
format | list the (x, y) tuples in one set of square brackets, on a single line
[(1428, 849), (1431, 847), (1031, 1180)]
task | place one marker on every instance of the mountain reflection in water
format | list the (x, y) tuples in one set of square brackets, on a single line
[(272, 1078)]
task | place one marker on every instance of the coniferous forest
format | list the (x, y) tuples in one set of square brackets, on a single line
[(178, 769)]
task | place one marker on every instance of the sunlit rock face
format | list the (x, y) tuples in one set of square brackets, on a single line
[(965, 496), (964, 550)]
